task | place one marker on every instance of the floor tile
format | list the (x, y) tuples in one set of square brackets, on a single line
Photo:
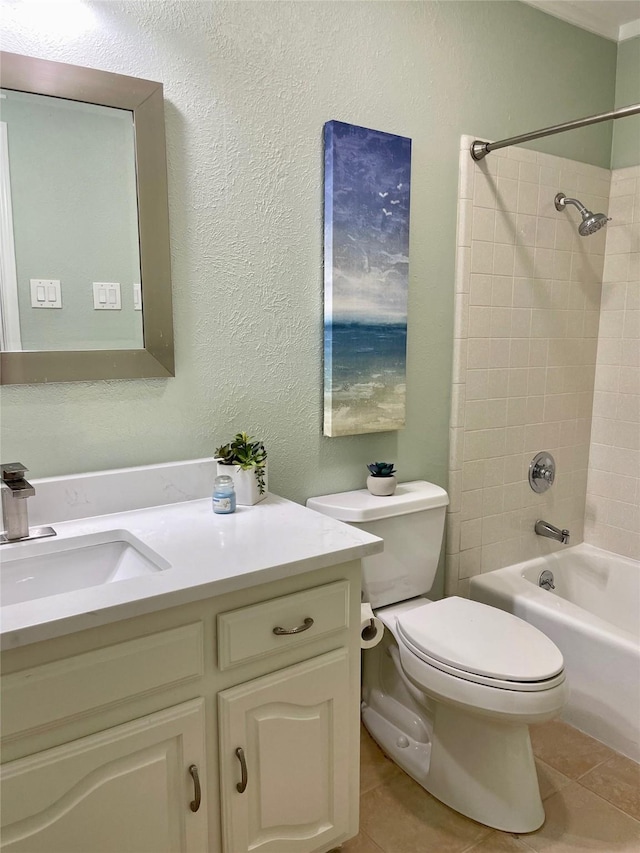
[(618, 781), (578, 821), (566, 749), (550, 781), (360, 844), (401, 817), (375, 767), (499, 842)]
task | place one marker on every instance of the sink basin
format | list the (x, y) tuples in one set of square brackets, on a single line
[(35, 570)]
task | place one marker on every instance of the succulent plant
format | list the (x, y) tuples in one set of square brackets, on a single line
[(381, 469), (247, 453)]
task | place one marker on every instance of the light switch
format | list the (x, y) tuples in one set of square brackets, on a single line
[(106, 296), (45, 293), (137, 297)]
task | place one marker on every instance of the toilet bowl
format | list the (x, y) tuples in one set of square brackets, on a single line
[(461, 734), (451, 690)]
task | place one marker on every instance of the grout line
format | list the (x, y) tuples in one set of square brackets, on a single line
[(375, 844), (595, 766)]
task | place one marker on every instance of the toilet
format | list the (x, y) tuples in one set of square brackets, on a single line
[(451, 690)]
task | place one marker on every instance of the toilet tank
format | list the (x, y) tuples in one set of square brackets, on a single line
[(411, 522)]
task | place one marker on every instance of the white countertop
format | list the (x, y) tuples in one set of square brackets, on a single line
[(208, 555)]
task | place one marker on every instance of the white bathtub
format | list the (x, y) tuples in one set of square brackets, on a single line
[(593, 616)]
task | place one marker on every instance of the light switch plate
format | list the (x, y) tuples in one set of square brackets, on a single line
[(137, 297), (45, 293), (106, 296)]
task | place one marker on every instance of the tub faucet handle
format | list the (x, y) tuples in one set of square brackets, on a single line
[(542, 472)]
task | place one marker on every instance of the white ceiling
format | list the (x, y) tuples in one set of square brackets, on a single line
[(614, 19)]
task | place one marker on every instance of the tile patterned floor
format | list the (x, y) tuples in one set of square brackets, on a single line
[(591, 797)]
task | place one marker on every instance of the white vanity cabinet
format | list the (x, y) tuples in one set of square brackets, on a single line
[(288, 789), (284, 737), (123, 790), (105, 730)]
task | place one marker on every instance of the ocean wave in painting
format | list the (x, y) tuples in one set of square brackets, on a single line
[(365, 376)]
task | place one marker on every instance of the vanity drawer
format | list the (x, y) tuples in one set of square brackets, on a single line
[(95, 680), (248, 633)]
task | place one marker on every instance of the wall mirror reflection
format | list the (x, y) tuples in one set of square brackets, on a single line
[(69, 172), (85, 287)]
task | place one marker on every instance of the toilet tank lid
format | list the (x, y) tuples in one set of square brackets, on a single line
[(361, 506)]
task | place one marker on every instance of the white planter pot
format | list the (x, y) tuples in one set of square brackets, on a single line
[(245, 484), (381, 486)]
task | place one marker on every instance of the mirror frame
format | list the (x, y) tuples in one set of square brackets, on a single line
[(145, 100)]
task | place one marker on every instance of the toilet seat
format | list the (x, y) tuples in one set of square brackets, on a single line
[(503, 684), (481, 644)]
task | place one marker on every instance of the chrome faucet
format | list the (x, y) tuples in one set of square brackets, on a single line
[(15, 516), (543, 528)]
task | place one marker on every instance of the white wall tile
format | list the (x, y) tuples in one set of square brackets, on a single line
[(503, 259), (507, 197), (481, 257), (480, 289), (483, 223), (613, 485), (527, 198), (537, 344)]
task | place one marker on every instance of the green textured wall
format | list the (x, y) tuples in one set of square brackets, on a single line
[(248, 88), (626, 131)]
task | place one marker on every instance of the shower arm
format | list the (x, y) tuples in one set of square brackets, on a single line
[(561, 201), (479, 149)]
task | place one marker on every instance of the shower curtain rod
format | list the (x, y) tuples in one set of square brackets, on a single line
[(479, 149)]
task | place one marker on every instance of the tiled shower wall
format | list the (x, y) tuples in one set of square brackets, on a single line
[(613, 488), (526, 324)]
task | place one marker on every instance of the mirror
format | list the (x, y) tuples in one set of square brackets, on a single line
[(85, 270)]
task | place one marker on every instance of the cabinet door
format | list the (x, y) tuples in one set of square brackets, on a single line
[(124, 790), (293, 727)]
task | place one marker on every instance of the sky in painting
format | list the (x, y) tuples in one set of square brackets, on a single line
[(367, 178)]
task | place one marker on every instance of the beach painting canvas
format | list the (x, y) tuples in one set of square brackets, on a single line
[(366, 273)]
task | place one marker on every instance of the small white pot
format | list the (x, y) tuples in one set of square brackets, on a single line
[(245, 484), (381, 486)]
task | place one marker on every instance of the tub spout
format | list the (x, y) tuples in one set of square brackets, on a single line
[(543, 528)]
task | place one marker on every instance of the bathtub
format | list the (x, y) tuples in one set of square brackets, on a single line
[(593, 616)]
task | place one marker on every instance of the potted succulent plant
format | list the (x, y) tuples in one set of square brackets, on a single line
[(245, 460), (381, 480)]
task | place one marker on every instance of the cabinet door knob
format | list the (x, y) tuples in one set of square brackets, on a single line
[(308, 622), (242, 786), (194, 805)]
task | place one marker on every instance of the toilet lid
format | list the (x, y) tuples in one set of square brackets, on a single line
[(482, 640)]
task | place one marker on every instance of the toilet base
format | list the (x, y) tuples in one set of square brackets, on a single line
[(480, 766), (482, 769), (485, 770)]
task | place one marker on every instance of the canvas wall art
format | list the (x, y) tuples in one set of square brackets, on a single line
[(366, 274)]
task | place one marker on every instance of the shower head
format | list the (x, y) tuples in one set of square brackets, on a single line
[(591, 222)]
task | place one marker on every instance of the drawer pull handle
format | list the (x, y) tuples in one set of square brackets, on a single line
[(308, 622), (242, 786), (194, 805)]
